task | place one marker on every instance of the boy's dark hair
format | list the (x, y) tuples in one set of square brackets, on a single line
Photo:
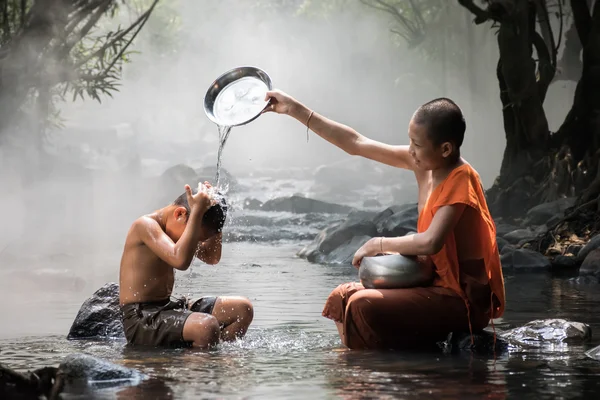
[(444, 121), (214, 218)]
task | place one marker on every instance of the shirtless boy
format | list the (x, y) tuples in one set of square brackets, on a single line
[(157, 244), (456, 235)]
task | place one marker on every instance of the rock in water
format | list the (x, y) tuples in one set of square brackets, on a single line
[(303, 205), (593, 244), (594, 353), (83, 367), (523, 259), (541, 213), (99, 316), (549, 331), (483, 343), (591, 264)]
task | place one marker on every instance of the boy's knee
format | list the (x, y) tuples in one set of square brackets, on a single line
[(245, 310), (212, 329), (206, 330)]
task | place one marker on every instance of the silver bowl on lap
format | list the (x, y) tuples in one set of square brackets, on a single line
[(393, 271)]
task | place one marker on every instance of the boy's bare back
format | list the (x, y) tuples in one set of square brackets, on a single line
[(144, 277)]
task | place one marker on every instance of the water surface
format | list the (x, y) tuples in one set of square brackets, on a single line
[(292, 352)]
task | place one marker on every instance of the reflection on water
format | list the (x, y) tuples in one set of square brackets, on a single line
[(292, 352)]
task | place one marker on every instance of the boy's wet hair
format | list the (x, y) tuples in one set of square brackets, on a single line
[(443, 119), (214, 218)]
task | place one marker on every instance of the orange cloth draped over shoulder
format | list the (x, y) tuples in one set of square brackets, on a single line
[(463, 186)]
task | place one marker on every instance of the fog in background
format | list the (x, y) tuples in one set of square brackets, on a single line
[(345, 65)]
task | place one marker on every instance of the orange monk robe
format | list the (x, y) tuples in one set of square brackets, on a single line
[(463, 186)]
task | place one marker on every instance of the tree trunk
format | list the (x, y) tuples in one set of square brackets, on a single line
[(20, 59), (525, 123)]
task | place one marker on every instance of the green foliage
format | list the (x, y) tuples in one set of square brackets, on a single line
[(70, 49)]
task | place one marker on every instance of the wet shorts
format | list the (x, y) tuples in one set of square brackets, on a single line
[(161, 323)]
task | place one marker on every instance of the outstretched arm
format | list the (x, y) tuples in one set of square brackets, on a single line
[(209, 251), (420, 244), (340, 135)]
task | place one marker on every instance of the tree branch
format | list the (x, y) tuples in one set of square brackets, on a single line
[(582, 20), (141, 20), (546, 28), (545, 67), (94, 18), (124, 48), (481, 15)]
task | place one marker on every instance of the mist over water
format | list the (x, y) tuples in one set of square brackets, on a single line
[(63, 235)]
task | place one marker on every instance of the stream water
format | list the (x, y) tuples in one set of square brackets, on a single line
[(290, 351)]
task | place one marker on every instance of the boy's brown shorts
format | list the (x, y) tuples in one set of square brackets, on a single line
[(161, 323)]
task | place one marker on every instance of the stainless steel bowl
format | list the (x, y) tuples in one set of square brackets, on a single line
[(237, 97), (393, 271)]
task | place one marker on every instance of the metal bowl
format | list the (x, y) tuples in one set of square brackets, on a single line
[(237, 97), (393, 271)]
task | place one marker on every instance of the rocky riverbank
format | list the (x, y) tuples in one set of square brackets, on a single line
[(337, 243)]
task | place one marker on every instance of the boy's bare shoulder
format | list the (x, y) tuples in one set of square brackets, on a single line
[(142, 226)]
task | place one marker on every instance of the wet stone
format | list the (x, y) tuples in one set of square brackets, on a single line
[(100, 316), (549, 331)]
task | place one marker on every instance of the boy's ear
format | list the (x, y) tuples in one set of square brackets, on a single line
[(180, 213), (447, 148)]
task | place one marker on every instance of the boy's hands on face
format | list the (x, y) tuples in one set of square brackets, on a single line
[(200, 201)]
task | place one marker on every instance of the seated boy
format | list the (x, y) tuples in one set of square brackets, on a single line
[(456, 235), (159, 243)]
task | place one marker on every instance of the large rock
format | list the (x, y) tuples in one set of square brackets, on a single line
[(311, 252), (338, 242), (519, 235), (562, 263), (523, 259), (345, 253), (501, 242), (344, 233), (591, 265), (99, 316), (76, 375), (503, 229), (593, 244), (300, 205), (400, 223), (89, 369), (549, 331), (542, 213)]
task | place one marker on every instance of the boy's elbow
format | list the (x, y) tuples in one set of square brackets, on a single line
[(355, 147), (214, 260), (181, 265)]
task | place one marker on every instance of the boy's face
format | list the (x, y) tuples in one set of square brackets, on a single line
[(425, 153)]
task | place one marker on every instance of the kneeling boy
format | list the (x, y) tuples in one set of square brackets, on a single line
[(159, 243)]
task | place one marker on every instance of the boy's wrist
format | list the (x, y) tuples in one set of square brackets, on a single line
[(196, 212)]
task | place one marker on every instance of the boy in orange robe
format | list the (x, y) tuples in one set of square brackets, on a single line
[(456, 235)]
